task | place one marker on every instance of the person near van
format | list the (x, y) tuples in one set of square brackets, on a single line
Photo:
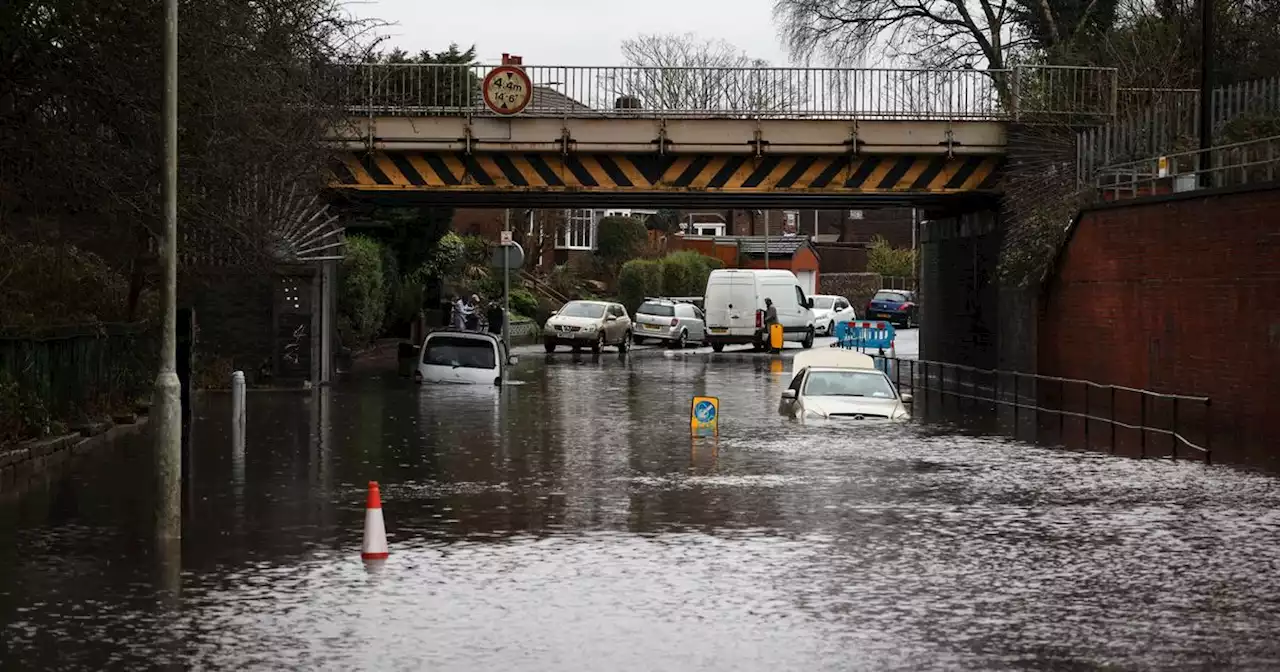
[(496, 317), (471, 310), (770, 318), (458, 319)]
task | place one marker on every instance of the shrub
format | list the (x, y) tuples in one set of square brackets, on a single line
[(639, 278), (22, 413), (886, 259), (620, 238), (362, 301), (523, 302), (684, 273), (54, 285)]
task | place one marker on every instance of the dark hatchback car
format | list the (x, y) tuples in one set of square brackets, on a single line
[(893, 305)]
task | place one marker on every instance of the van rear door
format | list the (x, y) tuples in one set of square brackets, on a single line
[(731, 303)]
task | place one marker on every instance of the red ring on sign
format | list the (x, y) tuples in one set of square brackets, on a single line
[(501, 69)]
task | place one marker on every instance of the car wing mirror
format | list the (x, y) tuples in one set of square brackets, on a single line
[(906, 398), (512, 360), (611, 318), (788, 395)]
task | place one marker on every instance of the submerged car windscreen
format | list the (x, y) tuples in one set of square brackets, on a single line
[(472, 353), (659, 309), (848, 384)]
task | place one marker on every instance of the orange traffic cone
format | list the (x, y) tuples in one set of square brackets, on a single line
[(375, 531)]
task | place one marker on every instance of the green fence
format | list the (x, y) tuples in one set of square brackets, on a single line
[(77, 371)]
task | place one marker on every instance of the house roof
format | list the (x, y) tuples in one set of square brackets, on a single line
[(787, 246), (547, 99)]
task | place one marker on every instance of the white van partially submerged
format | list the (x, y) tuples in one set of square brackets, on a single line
[(468, 357), (734, 303)]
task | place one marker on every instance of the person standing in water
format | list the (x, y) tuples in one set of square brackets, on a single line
[(458, 318), (472, 312), (770, 318)]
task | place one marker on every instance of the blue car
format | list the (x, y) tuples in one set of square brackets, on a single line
[(895, 306)]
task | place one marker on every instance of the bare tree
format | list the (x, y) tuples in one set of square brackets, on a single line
[(981, 34), (691, 73)]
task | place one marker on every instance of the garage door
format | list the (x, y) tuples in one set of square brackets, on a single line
[(806, 279)]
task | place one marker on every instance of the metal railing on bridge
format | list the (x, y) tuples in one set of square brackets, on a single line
[(1233, 165), (1069, 412), (1153, 121), (1022, 92)]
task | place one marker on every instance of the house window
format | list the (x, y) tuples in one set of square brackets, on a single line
[(708, 229), (578, 232)]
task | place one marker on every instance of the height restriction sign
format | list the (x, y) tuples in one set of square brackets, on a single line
[(507, 89)]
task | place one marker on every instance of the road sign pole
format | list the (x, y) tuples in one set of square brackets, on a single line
[(506, 281)]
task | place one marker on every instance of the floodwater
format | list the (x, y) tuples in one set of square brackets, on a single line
[(571, 523)]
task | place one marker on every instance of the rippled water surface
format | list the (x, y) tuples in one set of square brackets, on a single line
[(571, 523)]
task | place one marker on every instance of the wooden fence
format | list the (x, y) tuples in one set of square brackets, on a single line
[(77, 371)]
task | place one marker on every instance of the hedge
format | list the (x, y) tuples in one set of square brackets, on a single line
[(682, 273), (362, 299)]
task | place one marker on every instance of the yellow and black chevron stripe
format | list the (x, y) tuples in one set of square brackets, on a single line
[(432, 171)]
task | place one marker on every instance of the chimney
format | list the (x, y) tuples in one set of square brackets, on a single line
[(508, 59)]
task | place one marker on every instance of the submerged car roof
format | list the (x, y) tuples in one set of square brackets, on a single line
[(483, 335), (831, 358)]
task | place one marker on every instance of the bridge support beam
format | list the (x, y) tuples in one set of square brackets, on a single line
[(741, 136)]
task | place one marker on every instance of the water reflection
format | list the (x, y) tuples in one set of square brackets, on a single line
[(572, 523)]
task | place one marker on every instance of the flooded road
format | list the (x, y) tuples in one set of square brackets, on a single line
[(571, 523)]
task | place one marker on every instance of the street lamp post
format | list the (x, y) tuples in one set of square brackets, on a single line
[(167, 406)]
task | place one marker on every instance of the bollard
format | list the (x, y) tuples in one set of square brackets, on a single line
[(237, 405)]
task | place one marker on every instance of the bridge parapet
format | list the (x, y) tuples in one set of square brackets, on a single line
[(439, 90)]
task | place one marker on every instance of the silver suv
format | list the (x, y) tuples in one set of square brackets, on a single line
[(676, 323)]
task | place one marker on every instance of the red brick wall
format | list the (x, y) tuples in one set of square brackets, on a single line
[(1180, 296)]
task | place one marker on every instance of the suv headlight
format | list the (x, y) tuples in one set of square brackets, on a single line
[(589, 328)]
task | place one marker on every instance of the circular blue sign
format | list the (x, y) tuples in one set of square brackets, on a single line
[(705, 411)]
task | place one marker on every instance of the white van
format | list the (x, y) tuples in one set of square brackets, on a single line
[(734, 303), (470, 357)]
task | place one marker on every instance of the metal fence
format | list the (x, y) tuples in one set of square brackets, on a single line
[(1231, 165), (749, 93), (1069, 412), (905, 283), (1151, 122)]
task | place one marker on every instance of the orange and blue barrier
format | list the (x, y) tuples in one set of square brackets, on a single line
[(865, 335)]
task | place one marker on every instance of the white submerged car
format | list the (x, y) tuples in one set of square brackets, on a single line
[(468, 357), (833, 383)]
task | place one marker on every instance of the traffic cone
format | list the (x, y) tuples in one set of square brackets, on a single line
[(375, 531)]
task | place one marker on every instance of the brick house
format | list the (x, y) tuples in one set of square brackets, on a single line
[(790, 253), (549, 236)]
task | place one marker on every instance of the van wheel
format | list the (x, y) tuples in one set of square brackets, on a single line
[(550, 346), (717, 347), (808, 339)]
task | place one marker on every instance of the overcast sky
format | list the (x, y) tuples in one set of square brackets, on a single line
[(570, 32)]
